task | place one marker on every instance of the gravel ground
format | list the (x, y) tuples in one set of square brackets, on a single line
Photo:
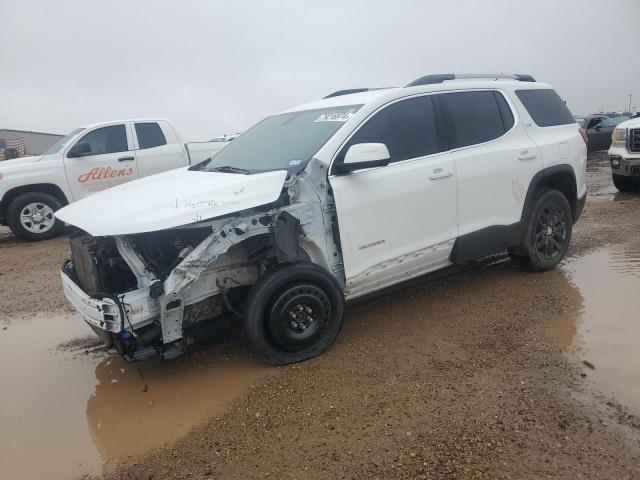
[(450, 379)]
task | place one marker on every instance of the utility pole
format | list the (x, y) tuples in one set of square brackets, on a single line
[(629, 103)]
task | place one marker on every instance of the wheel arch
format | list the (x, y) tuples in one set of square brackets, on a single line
[(557, 177), (15, 192)]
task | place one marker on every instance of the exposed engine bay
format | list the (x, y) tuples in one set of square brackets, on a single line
[(149, 291)]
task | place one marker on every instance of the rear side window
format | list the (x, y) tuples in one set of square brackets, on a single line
[(408, 128), (149, 135), (476, 117), (545, 107)]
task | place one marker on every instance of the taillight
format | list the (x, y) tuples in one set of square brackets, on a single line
[(583, 132)]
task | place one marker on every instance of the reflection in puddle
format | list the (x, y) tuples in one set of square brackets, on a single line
[(78, 410), (604, 332), (124, 420)]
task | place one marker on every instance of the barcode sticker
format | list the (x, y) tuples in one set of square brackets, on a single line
[(334, 117)]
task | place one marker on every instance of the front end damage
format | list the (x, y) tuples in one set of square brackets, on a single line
[(146, 293)]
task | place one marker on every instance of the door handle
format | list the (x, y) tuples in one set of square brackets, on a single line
[(526, 155), (440, 173), (126, 159)]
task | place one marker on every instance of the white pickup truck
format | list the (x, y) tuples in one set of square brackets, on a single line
[(87, 160)]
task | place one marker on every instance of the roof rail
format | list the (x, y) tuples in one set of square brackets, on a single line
[(443, 77), (348, 91)]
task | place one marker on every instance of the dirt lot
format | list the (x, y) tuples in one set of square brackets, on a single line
[(486, 374)]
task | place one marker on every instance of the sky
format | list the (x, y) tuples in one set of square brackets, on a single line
[(214, 67)]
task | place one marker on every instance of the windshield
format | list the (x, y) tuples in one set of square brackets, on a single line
[(282, 142), (56, 147)]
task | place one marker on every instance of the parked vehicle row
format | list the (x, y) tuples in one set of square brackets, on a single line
[(326, 202), (89, 159), (599, 128)]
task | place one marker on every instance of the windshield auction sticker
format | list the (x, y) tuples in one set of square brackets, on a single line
[(334, 117)]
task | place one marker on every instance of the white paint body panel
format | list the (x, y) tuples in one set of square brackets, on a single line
[(80, 177), (622, 150), (493, 178), (171, 199), (390, 212)]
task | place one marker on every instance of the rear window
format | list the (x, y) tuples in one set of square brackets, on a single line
[(476, 117), (545, 107), (149, 135)]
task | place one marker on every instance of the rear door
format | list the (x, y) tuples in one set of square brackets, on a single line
[(158, 148), (102, 158), (398, 221), (494, 158), (605, 130), (596, 135)]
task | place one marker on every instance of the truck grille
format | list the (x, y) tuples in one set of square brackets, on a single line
[(634, 140)]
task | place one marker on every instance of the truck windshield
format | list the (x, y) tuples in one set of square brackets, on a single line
[(281, 142), (56, 147)]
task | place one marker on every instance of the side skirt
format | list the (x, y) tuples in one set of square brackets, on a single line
[(486, 241)]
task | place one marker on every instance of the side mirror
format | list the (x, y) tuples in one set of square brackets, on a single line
[(79, 150), (364, 155)]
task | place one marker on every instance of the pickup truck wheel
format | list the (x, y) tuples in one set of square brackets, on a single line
[(31, 216), (294, 313), (548, 231), (624, 183)]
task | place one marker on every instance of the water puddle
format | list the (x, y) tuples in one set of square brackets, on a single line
[(603, 330), (79, 409)]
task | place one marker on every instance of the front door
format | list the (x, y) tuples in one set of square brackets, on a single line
[(102, 158), (398, 221)]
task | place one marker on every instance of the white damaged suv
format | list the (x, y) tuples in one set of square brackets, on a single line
[(326, 202)]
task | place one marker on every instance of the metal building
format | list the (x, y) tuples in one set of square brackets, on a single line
[(35, 143)]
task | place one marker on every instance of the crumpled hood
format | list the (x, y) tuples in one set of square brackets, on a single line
[(171, 199)]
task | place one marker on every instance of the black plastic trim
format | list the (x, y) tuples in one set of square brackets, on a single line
[(347, 91), (443, 77)]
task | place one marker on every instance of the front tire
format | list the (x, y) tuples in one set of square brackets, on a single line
[(294, 313), (624, 183), (548, 232), (30, 216)]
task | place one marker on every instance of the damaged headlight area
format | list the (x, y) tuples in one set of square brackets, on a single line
[(145, 294)]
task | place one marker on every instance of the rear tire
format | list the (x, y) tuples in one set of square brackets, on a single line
[(294, 313), (548, 232), (624, 183), (30, 216)]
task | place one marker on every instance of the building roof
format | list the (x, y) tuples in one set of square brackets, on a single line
[(29, 131)]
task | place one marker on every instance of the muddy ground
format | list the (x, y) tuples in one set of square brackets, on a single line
[(464, 377)]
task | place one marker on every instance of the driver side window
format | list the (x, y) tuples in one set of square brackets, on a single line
[(408, 128), (111, 139), (594, 122)]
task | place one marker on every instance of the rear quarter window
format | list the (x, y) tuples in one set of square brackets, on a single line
[(149, 135), (545, 107)]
